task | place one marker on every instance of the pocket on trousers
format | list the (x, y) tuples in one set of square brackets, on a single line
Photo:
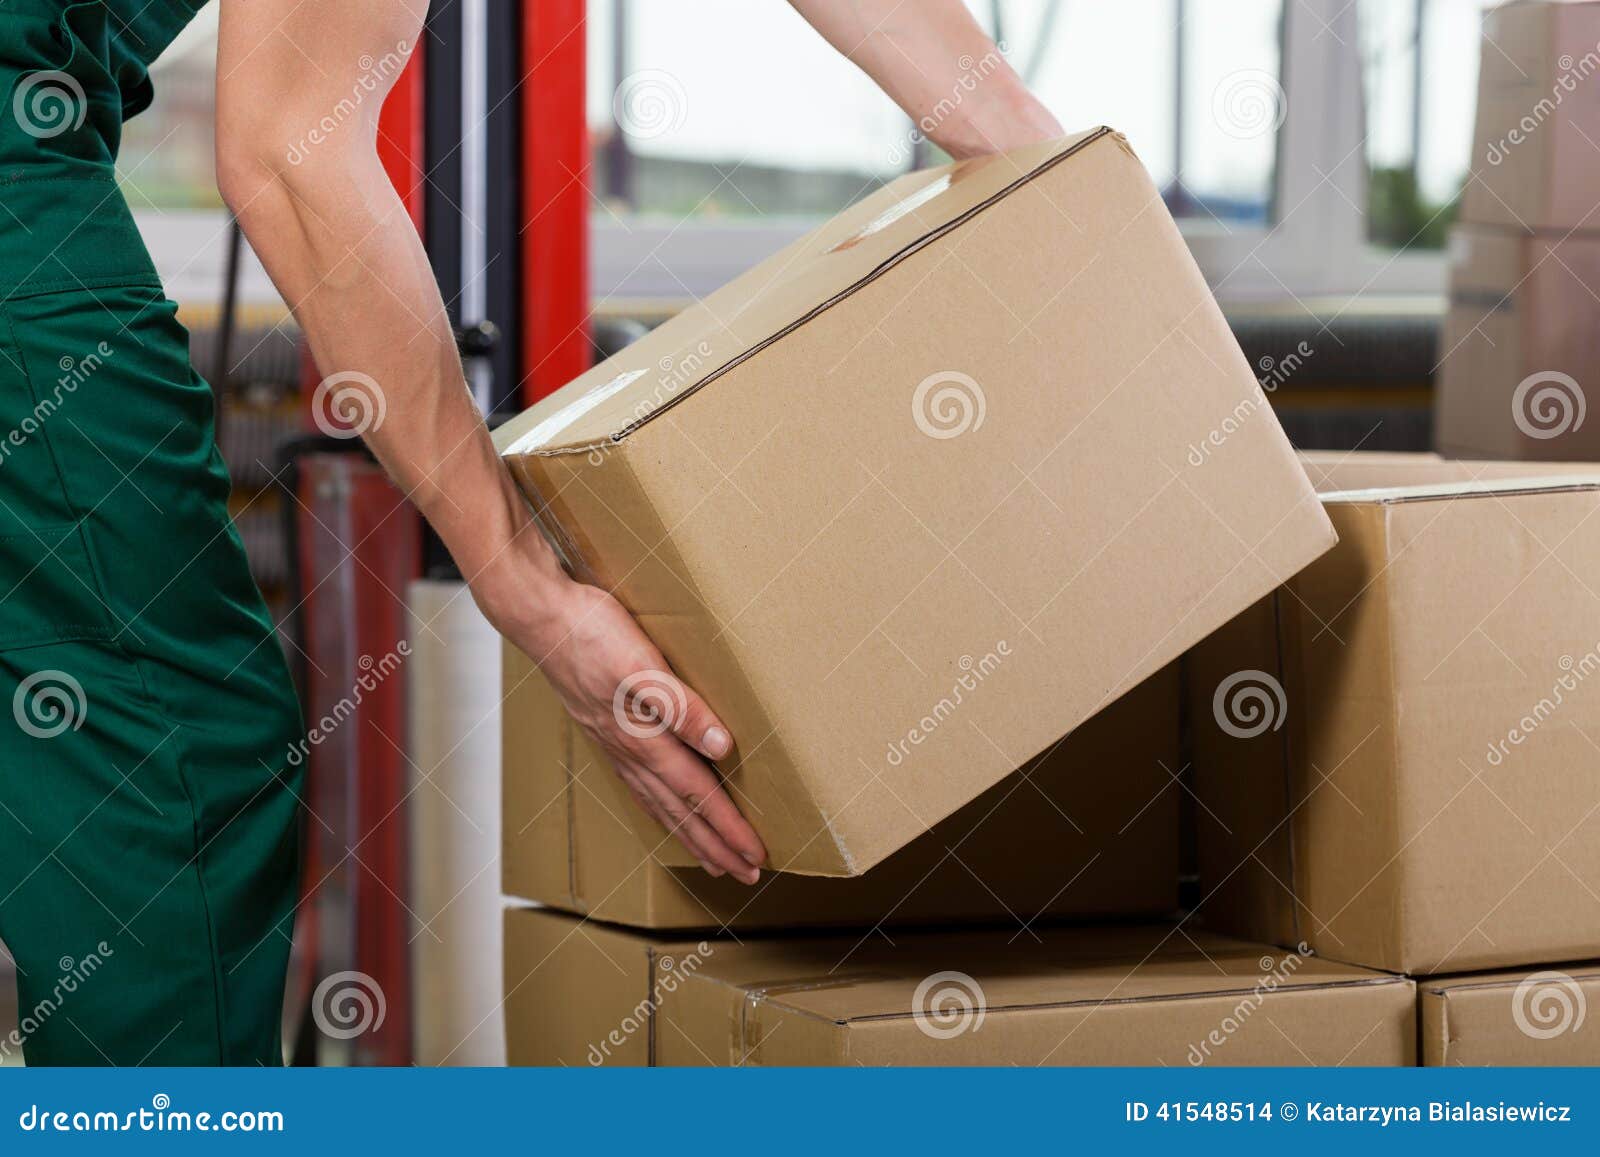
[(48, 592)]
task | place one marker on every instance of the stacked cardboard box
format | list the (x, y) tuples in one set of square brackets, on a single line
[(960, 474), (1395, 754), (1517, 353)]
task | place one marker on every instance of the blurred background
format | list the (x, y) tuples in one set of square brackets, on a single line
[(579, 171)]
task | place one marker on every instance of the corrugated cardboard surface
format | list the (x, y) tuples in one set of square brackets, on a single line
[(1064, 996), (1389, 819), (1536, 80), (1521, 311), (818, 557), (1090, 829), (1544, 1016)]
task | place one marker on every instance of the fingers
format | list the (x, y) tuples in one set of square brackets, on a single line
[(697, 785), (699, 727)]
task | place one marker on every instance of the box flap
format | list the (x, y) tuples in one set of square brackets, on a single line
[(1389, 495), (724, 329)]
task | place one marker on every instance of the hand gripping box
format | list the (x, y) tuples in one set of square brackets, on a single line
[(922, 492)]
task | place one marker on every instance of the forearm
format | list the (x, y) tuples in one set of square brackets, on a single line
[(336, 241), (938, 65)]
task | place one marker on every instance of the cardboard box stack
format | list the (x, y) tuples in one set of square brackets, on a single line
[(1395, 754), (1517, 351), (960, 474)]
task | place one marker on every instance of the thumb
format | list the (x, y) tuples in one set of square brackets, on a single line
[(698, 726), (650, 702)]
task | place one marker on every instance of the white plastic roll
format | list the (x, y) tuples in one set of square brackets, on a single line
[(454, 692)]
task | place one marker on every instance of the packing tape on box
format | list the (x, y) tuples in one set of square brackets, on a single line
[(745, 1036)]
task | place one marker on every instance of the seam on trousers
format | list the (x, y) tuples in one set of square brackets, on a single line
[(156, 704)]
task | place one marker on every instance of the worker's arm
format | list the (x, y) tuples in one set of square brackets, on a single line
[(937, 64), (299, 87)]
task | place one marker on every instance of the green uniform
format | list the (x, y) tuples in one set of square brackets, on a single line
[(148, 800)]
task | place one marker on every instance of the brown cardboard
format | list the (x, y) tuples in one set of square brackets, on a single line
[(1335, 470), (1520, 345), (1420, 794), (1534, 163), (582, 993), (1527, 1017), (919, 494), (1088, 829)]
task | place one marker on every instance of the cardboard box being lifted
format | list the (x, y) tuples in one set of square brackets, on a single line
[(581, 993), (1517, 352), (1395, 754), (1539, 1016), (927, 489), (1534, 163), (1088, 829)]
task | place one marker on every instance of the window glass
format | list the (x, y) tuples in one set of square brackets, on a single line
[(167, 159)]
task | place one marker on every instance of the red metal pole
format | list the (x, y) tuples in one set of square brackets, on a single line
[(555, 168)]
